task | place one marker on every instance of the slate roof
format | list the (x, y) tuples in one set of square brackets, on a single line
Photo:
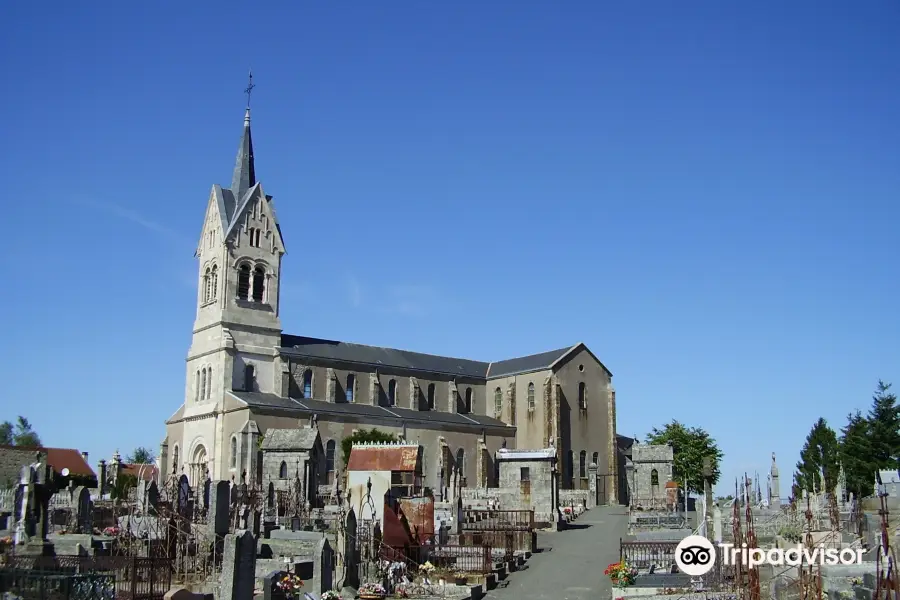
[(526, 364), (278, 404), (303, 438), (299, 346), (308, 347)]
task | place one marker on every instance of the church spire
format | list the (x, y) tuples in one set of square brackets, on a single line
[(244, 170)]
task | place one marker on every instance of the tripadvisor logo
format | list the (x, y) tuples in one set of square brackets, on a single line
[(695, 555)]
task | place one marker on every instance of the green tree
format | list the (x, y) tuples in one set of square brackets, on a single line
[(20, 434), (856, 455), (690, 445), (364, 436), (6, 434), (141, 456), (124, 483), (884, 428), (820, 455)]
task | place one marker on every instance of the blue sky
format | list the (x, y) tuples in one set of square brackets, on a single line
[(705, 193)]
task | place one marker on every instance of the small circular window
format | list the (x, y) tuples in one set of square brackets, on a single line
[(581, 367)]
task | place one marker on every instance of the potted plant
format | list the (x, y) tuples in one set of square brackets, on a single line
[(620, 574), (372, 591), (330, 595), (290, 585), (111, 531), (461, 577)]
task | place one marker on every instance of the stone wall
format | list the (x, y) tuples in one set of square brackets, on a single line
[(650, 470), (532, 493)]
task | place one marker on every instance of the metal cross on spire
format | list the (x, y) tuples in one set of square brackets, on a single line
[(249, 89)]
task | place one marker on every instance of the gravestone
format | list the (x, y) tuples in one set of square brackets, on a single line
[(238, 567), (324, 566), (270, 586), (207, 492), (84, 510), (351, 558), (219, 505), (184, 496), (42, 490)]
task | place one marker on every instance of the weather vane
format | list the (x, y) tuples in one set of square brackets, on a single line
[(249, 89)]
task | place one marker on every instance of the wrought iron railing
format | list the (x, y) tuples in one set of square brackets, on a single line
[(33, 584), (133, 578), (498, 520), (643, 555)]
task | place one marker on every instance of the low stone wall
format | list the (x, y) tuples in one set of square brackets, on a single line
[(573, 497)]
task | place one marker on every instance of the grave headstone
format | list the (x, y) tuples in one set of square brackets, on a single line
[(219, 505), (270, 586), (84, 510), (238, 566), (324, 566)]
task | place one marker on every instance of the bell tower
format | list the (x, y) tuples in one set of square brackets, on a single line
[(237, 328)]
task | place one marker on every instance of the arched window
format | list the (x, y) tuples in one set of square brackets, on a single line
[(253, 234), (498, 402), (259, 284), (392, 392), (214, 283), (430, 396), (461, 462), (596, 458), (582, 464), (582, 396), (207, 281), (531, 396), (197, 387), (329, 461), (654, 477), (243, 288), (208, 383), (307, 383), (467, 405), (249, 378), (282, 471), (203, 383), (175, 459), (233, 452), (351, 385)]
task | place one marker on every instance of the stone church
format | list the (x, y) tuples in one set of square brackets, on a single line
[(246, 376)]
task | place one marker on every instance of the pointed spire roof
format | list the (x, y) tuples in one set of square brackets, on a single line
[(244, 176)]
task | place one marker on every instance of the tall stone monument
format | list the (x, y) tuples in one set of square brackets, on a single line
[(775, 489)]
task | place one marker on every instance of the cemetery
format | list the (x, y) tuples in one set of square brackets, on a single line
[(751, 519), (374, 534)]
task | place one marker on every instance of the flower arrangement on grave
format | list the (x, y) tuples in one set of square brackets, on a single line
[(427, 568), (5, 542), (330, 595), (856, 581), (620, 574), (290, 585), (372, 591), (461, 577), (567, 510)]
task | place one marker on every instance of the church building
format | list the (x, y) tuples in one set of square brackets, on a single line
[(245, 376)]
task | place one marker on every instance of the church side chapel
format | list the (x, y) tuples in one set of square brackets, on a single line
[(251, 389)]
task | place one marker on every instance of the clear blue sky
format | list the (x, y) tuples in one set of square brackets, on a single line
[(705, 193)]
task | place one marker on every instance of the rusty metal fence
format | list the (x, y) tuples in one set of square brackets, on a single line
[(646, 554), (498, 520), (462, 559), (135, 578)]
